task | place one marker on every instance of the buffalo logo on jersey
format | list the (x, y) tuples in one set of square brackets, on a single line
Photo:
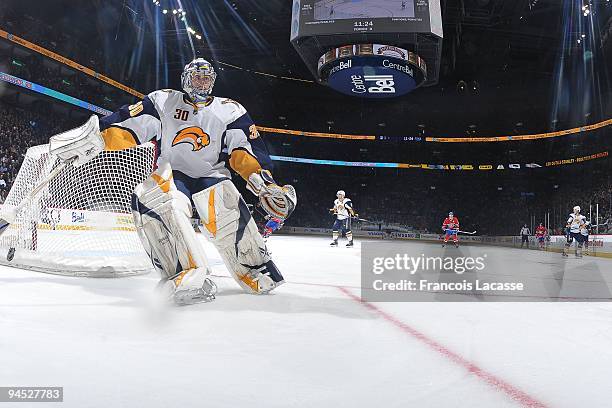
[(253, 132), (193, 135)]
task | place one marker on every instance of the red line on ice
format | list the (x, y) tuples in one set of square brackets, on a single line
[(496, 382)]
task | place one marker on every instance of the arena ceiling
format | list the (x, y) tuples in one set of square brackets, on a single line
[(500, 51)]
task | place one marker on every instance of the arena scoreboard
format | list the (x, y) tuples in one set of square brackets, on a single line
[(327, 17), (369, 48)]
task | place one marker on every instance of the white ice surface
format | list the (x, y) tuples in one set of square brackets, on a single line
[(109, 343)]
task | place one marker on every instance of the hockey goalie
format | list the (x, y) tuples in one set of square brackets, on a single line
[(197, 135)]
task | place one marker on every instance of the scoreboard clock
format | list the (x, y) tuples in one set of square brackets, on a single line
[(316, 17)]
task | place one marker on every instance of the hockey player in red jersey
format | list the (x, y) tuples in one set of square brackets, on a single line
[(540, 234), (450, 226)]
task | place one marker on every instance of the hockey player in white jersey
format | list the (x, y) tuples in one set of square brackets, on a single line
[(197, 135), (575, 223), (343, 209), (585, 230)]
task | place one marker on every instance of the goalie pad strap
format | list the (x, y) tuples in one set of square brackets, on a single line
[(161, 215)]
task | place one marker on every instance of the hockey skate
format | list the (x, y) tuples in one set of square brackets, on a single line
[(350, 244), (334, 243), (262, 281), (185, 288)]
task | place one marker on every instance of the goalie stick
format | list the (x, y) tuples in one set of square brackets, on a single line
[(6, 219)]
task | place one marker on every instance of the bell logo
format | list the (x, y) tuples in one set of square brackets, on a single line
[(193, 135), (384, 83)]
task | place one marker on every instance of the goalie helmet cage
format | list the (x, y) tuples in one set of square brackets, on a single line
[(80, 224)]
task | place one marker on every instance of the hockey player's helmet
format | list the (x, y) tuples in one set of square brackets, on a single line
[(198, 79), (577, 209), (450, 214), (340, 193)]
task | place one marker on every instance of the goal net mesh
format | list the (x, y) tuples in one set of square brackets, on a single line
[(81, 223)]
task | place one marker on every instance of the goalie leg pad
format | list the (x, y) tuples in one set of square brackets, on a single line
[(228, 224), (161, 215)]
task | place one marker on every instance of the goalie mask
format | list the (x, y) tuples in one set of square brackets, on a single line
[(198, 79)]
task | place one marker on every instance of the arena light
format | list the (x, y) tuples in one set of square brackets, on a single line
[(182, 15)]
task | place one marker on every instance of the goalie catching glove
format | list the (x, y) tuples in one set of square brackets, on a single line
[(276, 201), (83, 143)]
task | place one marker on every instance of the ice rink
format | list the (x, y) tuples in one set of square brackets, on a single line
[(312, 343)]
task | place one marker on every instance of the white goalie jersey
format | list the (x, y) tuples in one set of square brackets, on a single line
[(196, 139)]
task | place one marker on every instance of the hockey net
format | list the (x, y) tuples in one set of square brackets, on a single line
[(81, 223)]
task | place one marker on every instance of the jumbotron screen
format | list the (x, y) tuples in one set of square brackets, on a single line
[(314, 17)]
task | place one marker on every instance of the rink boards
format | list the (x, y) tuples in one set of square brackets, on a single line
[(599, 245)]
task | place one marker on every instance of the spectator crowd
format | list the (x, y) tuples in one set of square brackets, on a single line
[(414, 200), (19, 130)]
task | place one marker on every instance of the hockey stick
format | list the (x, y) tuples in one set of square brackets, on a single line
[(363, 219), (461, 232), (6, 219)]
